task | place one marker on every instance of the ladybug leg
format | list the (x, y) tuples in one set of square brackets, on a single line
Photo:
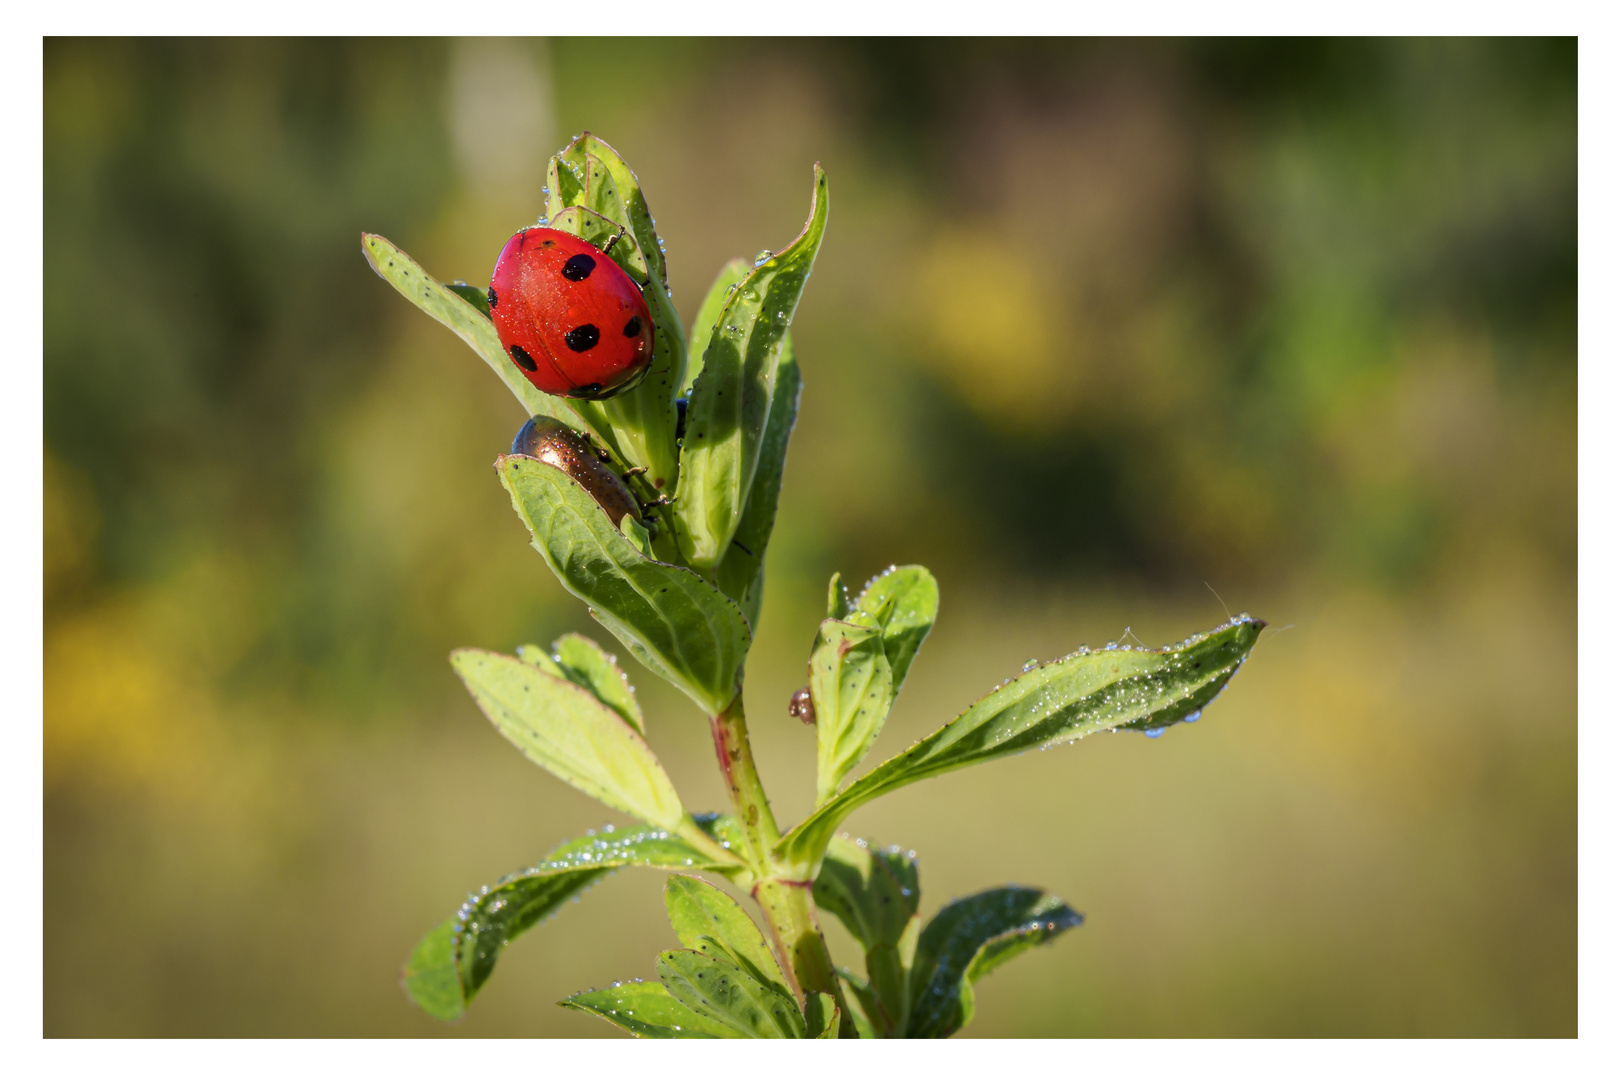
[(637, 471), (613, 241), (662, 500)]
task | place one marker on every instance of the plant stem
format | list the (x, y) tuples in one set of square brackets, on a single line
[(730, 730), (789, 909)]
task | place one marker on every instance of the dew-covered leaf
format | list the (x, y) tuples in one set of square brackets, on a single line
[(852, 689), (708, 315), (838, 606), (468, 322), (905, 602), (710, 984), (731, 400), (583, 661), (874, 893), (1055, 703), (637, 217), (566, 730), (456, 958), (670, 619), (967, 940), (647, 1011), (741, 574), (703, 917)]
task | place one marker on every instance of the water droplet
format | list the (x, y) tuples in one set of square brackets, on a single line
[(1153, 732), (763, 257), (1192, 717)]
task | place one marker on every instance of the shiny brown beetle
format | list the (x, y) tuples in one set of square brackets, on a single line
[(802, 706), (560, 446)]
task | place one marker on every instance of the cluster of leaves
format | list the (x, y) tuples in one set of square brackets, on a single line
[(684, 598)]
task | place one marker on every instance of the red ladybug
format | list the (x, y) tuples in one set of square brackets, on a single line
[(568, 316)]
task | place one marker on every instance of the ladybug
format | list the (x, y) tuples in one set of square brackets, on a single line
[(568, 316), (550, 440)]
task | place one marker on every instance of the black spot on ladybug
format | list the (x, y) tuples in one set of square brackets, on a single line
[(522, 359), (633, 327), (582, 338), (578, 268), (492, 296)]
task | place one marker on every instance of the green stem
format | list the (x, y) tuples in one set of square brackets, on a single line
[(730, 730), (789, 909)]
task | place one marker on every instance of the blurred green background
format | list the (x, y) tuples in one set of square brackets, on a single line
[(1100, 329)]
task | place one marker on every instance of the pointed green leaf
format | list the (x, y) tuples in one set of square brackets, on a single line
[(647, 1011), (637, 216), (468, 323), (1056, 703), (454, 961), (967, 940), (874, 893), (741, 574), (567, 731), (852, 689), (702, 915), (709, 315), (672, 620), (709, 983), (837, 598), (584, 662), (429, 976), (905, 602), (821, 1016), (731, 400)]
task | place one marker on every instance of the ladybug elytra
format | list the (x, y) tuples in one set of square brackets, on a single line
[(568, 316)]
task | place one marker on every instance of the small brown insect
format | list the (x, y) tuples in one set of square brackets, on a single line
[(802, 706), (560, 446)]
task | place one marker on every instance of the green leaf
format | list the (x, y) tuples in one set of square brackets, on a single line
[(585, 663), (468, 323), (708, 315), (1056, 703), (967, 940), (478, 298), (731, 400), (852, 688), (454, 961), (647, 1011), (874, 893), (429, 976), (710, 984), (582, 662), (704, 917), (837, 598), (741, 574), (821, 1016), (637, 216), (566, 730), (905, 602), (669, 618)]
